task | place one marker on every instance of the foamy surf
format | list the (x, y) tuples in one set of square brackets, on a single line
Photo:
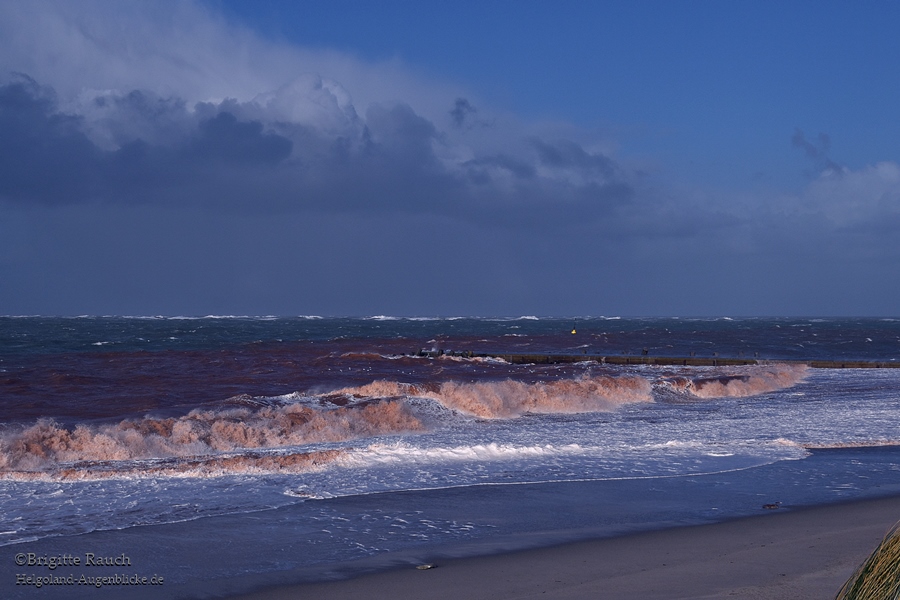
[(197, 436), (246, 463), (197, 443), (406, 454), (509, 398), (739, 382)]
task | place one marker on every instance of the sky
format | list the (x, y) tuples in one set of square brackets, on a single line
[(348, 158)]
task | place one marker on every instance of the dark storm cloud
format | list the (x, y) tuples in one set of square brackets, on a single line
[(143, 115), (47, 157), (225, 138), (402, 135), (44, 155), (137, 147)]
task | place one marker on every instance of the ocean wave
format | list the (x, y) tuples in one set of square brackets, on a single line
[(739, 381), (47, 445), (509, 398), (199, 438), (198, 441)]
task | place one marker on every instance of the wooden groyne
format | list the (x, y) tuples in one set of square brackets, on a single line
[(693, 361)]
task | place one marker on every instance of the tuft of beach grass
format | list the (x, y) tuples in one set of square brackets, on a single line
[(879, 577)]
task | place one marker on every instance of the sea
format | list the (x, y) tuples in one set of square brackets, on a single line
[(202, 457)]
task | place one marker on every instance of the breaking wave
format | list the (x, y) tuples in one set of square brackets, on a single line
[(199, 436), (749, 381), (509, 398)]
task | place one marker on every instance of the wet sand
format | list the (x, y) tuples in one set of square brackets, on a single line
[(781, 554)]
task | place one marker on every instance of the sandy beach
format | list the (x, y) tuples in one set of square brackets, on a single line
[(782, 554)]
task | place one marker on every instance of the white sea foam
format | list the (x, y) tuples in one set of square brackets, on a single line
[(404, 453)]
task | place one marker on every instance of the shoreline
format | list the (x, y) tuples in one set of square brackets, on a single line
[(805, 553)]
